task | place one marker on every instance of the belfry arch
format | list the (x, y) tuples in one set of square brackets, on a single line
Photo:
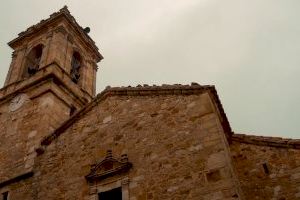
[(33, 60), (76, 65)]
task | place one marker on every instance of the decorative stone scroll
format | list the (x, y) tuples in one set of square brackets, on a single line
[(108, 167), (61, 30)]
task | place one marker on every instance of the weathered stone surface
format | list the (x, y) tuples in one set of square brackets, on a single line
[(58, 141), (163, 143), (281, 181), (34, 105)]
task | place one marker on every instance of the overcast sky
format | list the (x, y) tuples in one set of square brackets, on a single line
[(248, 49)]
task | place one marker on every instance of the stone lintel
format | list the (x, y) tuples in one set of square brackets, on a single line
[(16, 179)]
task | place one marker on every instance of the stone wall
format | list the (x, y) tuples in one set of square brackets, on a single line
[(22, 126), (22, 189), (175, 142), (268, 168), (174, 136)]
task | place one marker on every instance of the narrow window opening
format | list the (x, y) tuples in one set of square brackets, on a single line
[(75, 67), (214, 176), (266, 169), (5, 196), (72, 110), (114, 194), (33, 60)]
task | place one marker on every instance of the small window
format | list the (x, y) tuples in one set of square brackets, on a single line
[(266, 169), (75, 67), (5, 196), (114, 194), (72, 110)]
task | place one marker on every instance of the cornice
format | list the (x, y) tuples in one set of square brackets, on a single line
[(18, 178), (51, 71), (108, 167), (267, 141)]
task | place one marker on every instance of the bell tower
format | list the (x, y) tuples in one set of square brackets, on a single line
[(60, 45), (52, 75)]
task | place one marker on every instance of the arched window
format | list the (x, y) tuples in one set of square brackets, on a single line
[(75, 67), (33, 60)]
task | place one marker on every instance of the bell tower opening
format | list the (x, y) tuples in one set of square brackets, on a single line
[(33, 59), (75, 67)]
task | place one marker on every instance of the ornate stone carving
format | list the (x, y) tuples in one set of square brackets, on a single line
[(110, 166), (49, 34), (61, 29), (70, 38)]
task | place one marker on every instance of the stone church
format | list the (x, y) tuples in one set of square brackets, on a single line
[(61, 141)]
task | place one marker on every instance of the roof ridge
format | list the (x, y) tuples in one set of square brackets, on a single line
[(163, 86)]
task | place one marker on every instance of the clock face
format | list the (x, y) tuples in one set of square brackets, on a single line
[(17, 102)]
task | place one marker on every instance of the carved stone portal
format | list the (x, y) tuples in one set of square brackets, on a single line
[(108, 167)]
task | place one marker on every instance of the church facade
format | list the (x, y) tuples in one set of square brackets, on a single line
[(61, 141)]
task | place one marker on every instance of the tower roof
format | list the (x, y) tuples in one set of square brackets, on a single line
[(62, 13)]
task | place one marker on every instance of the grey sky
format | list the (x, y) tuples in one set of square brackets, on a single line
[(249, 49)]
